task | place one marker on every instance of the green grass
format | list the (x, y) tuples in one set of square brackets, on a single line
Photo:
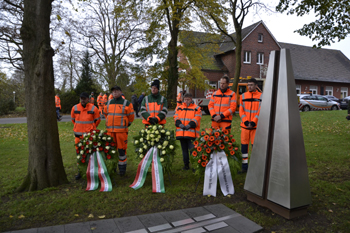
[(326, 136)]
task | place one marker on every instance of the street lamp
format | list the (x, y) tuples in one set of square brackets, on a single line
[(14, 97)]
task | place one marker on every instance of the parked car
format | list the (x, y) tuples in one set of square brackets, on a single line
[(333, 98), (309, 102), (344, 102)]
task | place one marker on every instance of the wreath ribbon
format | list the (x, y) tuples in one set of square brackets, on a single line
[(218, 167), (97, 171), (152, 156)]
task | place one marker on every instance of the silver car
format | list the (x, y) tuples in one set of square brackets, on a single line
[(309, 102)]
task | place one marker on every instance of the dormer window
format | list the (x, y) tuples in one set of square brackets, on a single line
[(260, 37)]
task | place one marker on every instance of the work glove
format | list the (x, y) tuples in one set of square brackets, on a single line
[(348, 117), (246, 123), (182, 126), (187, 127), (151, 121), (252, 123), (129, 124), (155, 120)]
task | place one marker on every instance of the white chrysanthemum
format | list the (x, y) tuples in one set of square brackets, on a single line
[(145, 147), (107, 147), (171, 147), (104, 138), (80, 144), (161, 160), (81, 152), (162, 131), (109, 138), (163, 152), (141, 139), (140, 150), (90, 142), (159, 146), (154, 127), (165, 143), (167, 133), (136, 142), (99, 144), (78, 157), (141, 156)]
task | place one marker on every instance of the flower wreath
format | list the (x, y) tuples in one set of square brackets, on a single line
[(212, 140), (96, 140), (160, 137)]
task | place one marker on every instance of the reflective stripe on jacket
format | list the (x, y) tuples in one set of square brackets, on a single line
[(58, 102), (84, 119), (119, 113), (191, 115), (249, 108), (154, 106), (223, 104)]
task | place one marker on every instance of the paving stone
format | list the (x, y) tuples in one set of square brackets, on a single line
[(177, 217), (151, 220), (128, 224), (32, 230), (220, 210), (81, 227), (215, 226), (243, 225), (52, 229), (225, 230), (104, 226), (160, 227), (196, 212), (204, 217), (196, 230)]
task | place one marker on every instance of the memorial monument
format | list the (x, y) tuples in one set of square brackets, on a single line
[(277, 177)]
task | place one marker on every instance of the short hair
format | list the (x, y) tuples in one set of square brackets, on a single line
[(116, 88), (226, 78), (188, 95), (252, 80)]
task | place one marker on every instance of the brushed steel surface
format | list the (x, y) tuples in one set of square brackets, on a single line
[(288, 179), (257, 163)]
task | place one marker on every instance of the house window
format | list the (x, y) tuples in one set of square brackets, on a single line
[(298, 88), (247, 57), (260, 37), (344, 92), (313, 90), (329, 90), (260, 59)]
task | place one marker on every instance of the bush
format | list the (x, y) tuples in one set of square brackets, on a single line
[(68, 100), (6, 106)]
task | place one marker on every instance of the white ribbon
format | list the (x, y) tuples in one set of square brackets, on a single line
[(218, 166)]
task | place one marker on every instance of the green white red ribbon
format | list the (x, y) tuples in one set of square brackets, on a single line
[(152, 156), (97, 171)]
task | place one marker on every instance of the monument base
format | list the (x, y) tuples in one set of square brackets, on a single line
[(278, 209)]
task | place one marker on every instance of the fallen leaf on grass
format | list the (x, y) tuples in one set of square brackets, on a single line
[(93, 228), (76, 215), (102, 216), (21, 216), (340, 189), (228, 195), (330, 211), (90, 216), (11, 216), (334, 203)]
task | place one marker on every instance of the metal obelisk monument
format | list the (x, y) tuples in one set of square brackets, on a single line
[(277, 177)]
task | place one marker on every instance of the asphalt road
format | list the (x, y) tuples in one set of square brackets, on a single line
[(65, 118)]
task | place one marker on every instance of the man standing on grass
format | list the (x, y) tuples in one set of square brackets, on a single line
[(154, 107), (119, 114), (58, 107), (85, 117), (222, 105), (249, 110)]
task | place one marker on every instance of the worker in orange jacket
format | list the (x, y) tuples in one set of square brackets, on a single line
[(179, 98), (92, 98), (249, 110), (187, 121), (119, 115), (100, 103), (85, 117), (105, 99), (58, 107), (110, 97), (222, 105)]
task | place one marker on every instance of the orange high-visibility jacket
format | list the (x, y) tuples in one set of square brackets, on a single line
[(84, 119), (92, 100), (249, 108), (105, 99), (119, 115), (110, 97), (100, 101), (223, 104), (154, 106), (179, 99), (185, 115), (58, 102)]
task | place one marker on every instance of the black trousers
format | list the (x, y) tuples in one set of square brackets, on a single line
[(186, 145)]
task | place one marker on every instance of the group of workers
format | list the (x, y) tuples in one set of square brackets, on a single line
[(119, 114)]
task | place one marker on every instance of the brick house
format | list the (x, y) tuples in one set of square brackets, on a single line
[(322, 71)]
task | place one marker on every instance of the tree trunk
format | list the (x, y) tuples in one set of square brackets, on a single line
[(173, 68), (45, 166), (238, 54)]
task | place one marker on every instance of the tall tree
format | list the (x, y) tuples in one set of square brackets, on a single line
[(332, 18), (110, 29), (237, 10), (86, 83), (45, 166)]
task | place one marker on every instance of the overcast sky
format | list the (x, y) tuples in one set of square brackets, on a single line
[(282, 26)]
